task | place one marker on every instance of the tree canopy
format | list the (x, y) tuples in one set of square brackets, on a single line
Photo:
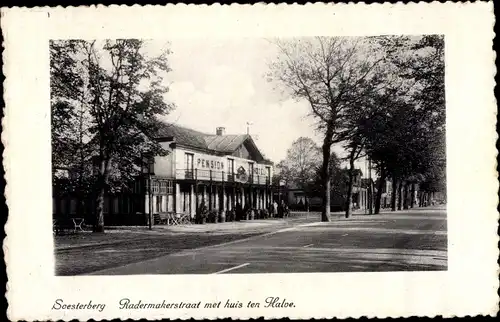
[(379, 96), (301, 163), (114, 92)]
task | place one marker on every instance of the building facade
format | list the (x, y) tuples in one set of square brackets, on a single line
[(217, 170)]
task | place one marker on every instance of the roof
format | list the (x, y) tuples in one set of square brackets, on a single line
[(183, 135), (225, 144)]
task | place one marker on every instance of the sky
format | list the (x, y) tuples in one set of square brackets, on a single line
[(221, 82)]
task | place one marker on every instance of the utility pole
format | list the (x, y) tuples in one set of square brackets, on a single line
[(366, 196), (150, 191), (370, 202)]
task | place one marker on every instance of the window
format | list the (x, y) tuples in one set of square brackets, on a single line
[(148, 163), (159, 203), (230, 173), (268, 170), (137, 186), (189, 161), (166, 187), (250, 170), (156, 187), (163, 187), (230, 166), (188, 165)]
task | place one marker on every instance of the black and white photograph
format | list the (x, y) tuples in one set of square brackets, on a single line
[(313, 161), (248, 155)]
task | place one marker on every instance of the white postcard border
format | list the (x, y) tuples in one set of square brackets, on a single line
[(469, 287)]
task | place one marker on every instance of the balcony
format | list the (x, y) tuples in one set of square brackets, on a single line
[(188, 174), (220, 176)]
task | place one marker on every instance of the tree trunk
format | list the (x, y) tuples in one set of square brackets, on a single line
[(412, 196), (102, 181), (325, 213), (348, 211), (405, 195), (370, 198), (380, 187), (325, 178), (400, 194), (394, 193)]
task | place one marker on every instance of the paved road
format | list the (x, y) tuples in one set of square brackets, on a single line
[(87, 252), (403, 241)]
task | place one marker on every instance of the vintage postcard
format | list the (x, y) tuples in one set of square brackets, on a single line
[(245, 161)]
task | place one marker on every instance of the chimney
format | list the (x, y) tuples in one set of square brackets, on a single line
[(220, 130)]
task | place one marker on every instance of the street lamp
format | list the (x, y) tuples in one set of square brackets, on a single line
[(151, 162)]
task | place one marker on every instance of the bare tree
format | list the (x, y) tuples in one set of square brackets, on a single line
[(332, 75)]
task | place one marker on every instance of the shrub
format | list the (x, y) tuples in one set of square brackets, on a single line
[(213, 216), (201, 214)]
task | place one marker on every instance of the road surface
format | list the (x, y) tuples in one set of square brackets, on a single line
[(412, 240)]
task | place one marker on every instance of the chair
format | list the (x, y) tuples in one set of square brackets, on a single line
[(165, 218), (184, 219), (175, 218), (55, 227), (78, 222)]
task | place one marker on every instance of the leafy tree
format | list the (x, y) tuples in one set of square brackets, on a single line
[(332, 75), (122, 95), (405, 132), (66, 88), (70, 122)]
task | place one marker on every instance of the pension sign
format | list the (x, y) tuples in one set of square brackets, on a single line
[(205, 163)]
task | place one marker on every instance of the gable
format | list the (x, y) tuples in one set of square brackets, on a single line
[(248, 150), (242, 152)]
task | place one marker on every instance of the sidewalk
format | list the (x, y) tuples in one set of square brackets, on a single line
[(119, 234)]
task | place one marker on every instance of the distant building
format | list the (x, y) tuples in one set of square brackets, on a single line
[(297, 197), (416, 196)]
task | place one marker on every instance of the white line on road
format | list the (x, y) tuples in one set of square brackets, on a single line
[(231, 268), (375, 230), (308, 245), (326, 248)]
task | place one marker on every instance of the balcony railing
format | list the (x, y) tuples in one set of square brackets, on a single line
[(220, 176), (189, 174)]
